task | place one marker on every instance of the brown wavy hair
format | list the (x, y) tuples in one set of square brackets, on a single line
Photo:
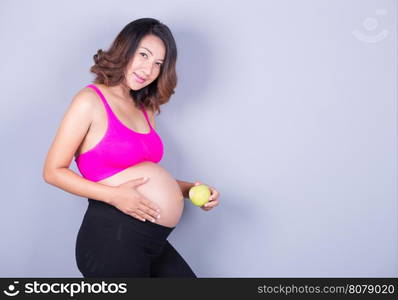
[(110, 65)]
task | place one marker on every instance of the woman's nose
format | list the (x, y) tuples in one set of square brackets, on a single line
[(147, 69)]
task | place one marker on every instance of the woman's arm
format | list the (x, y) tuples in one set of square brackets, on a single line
[(73, 128), (73, 183), (184, 187)]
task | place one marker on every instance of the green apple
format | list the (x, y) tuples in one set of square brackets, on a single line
[(199, 194)]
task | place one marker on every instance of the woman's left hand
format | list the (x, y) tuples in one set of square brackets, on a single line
[(213, 199)]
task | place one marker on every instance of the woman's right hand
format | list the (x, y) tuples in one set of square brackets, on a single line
[(132, 203)]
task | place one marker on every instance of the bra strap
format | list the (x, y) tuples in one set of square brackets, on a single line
[(146, 115), (108, 108)]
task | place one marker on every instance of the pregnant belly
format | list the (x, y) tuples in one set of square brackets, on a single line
[(161, 188)]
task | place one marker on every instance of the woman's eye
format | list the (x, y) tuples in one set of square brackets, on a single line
[(142, 54)]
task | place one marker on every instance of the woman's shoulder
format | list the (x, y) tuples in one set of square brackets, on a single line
[(86, 96)]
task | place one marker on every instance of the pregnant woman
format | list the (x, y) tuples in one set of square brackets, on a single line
[(133, 203)]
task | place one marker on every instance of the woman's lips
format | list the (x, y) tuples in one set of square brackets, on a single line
[(138, 78)]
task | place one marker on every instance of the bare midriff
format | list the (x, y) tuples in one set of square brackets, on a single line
[(161, 188)]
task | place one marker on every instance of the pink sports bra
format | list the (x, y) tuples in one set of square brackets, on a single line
[(119, 148)]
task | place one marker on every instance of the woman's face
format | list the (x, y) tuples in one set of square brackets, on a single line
[(145, 65)]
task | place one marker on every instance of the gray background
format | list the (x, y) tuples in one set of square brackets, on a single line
[(279, 105)]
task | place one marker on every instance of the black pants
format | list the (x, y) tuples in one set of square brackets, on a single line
[(111, 243)]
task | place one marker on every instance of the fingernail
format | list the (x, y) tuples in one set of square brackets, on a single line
[(158, 216)]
